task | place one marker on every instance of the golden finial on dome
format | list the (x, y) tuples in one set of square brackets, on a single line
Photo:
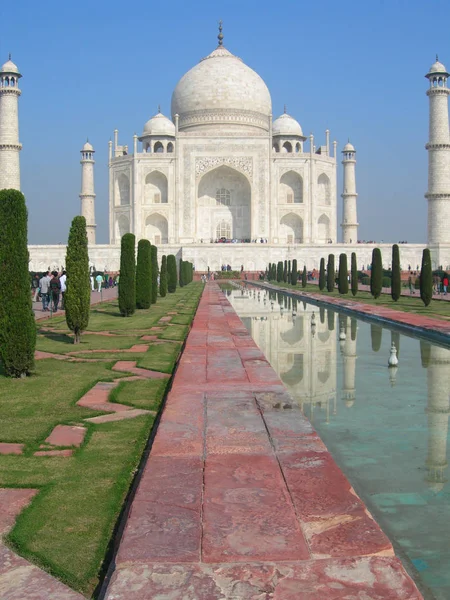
[(220, 36), (437, 58), (159, 108), (285, 109)]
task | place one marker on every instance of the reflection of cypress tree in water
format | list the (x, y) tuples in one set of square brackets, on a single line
[(438, 409), (330, 318), (280, 299), (425, 350), (289, 302), (353, 329), (376, 333), (322, 315), (395, 339), (285, 301), (304, 305), (294, 304)]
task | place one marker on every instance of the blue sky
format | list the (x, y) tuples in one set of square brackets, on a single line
[(355, 67)]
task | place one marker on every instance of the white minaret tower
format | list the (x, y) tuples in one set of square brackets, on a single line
[(9, 126), (438, 147), (349, 220), (87, 195)]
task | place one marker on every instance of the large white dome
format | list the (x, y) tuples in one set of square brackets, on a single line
[(221, 89)]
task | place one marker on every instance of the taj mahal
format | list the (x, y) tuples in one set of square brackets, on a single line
[(222, 168)]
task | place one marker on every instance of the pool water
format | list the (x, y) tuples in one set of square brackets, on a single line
[(387, 428)]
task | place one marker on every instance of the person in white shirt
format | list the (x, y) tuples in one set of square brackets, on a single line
[(62, 281), (44, 285)]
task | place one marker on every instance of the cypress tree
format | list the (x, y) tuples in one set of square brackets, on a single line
[(294, 274), (280, 271), (343, 274), (285, 271), (304, 277), (127, 281), (426, 278), (143, 275), (77, 298), (322, 278), (155, 271), (17, 324), (376, 273), (181, 274), (163, 277), (330, 273), (171, 274), (396, 275), (269, 271), (289, 273), (376, 333), (354, 275)]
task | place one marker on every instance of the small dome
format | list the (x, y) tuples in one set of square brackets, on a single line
[(437, 67), (88, 148), (348, 147), (159, 125), (286, 125), (10, 67)]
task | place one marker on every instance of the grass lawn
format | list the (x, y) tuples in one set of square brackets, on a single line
[(438, 309), (68, 526)]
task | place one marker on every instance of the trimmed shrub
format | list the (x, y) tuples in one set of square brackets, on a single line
[(365, 280), (396, 281), (77, 299), (304, 277), (294, 274), (17, 324), (330, 273), (285, 271), (426, 278), (280, 271), (322, 278), (376, 273), (386, 282), (163, 277), (155, 272), (343, 274), (127, 280), (181, 274), (171, 274), (143, 275), (354, 275)]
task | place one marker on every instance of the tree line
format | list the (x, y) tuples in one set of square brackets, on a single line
[(348, 280)]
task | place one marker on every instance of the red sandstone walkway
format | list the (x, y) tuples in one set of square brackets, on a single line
[(240, 499)]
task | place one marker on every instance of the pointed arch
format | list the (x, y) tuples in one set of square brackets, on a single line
[(323, 190), (156, 229), (156, 188), (323, 229), (122, 188), (291, 188), (122, 226), (291, 229), (158, 147), (287, 147)]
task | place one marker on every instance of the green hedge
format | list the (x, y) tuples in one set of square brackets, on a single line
[(143, 275), (171, 273)]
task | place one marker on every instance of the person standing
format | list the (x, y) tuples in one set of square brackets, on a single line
[(445, 284), (55, 289), (99, 280), (44, 285), (92, 283), (62, 281)]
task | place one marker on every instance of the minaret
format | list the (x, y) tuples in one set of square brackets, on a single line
[(87, 195), (438, 147), (349, 220), (438, 409), (9, 126)]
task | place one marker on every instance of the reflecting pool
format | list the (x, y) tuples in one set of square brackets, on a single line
[(387, 428)]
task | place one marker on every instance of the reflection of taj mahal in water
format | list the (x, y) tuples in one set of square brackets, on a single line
[(302, 344)]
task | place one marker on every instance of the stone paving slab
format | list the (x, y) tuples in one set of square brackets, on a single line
[(240, 499), (7, 448), (19, 579), (66, 435)]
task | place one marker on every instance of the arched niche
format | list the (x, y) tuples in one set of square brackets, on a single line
[(156, 229), (291, 188), (224, 195), (323, 229), (323, 190), (294, 335), (287, 147), (276, 147), (170, 147), (291, 229), (295, 373), (156, 188), (158, 147), (122, 186), (122, 226)]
